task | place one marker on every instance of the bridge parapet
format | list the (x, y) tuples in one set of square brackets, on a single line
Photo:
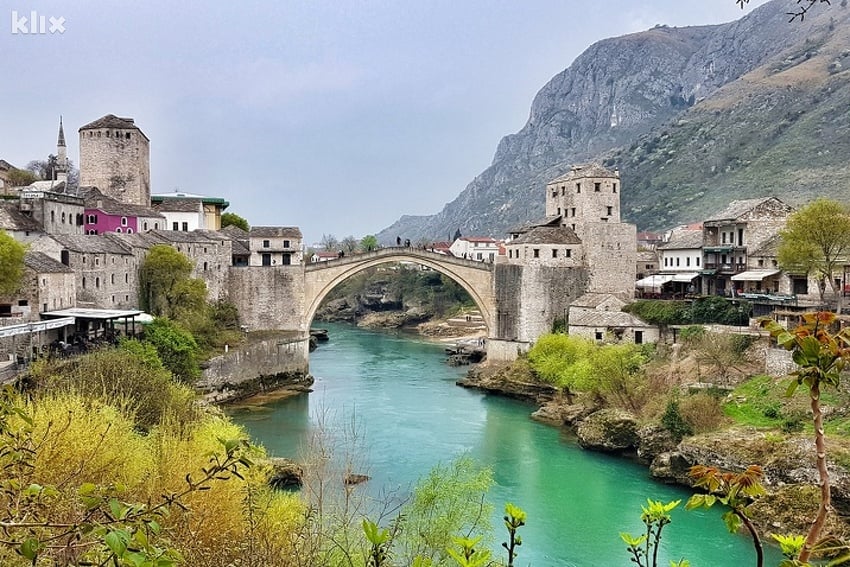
[(395, 251)]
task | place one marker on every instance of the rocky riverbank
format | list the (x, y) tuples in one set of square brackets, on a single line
[(787, 459)]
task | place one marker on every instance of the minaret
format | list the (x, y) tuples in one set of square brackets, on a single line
[(61, 169)]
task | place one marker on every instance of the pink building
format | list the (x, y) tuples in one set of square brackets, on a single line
[(104, 214)]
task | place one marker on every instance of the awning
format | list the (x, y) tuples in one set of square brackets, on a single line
[(656, 280), (753, 275), (685, 277)]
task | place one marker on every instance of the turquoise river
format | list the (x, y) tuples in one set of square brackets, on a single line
[(409, 415)]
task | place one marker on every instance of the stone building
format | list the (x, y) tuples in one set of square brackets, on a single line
[(275, 245), (478, 248), (728, 234), (106, 271), (103, 214), (600, 317), (6, 169), (239, 239), (56, 211), (680, 264), (210, 252), (115, 158), (18, 225)]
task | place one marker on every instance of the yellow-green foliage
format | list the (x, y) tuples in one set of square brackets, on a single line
[(81, 440), (130, 377), (562, 360), (612, 371)]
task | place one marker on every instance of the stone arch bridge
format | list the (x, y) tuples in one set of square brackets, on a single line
[(474, 277)]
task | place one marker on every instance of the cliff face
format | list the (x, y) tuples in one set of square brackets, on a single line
[(619, 101)]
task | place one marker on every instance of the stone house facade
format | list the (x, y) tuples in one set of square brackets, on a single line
[(115, 158), (19, 226), (56, 211), (600, 317), (478, 248), (46, 285), (106, 271), (210, 253), (275, 246)]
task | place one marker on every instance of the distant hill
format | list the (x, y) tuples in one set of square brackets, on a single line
[(692, 117)]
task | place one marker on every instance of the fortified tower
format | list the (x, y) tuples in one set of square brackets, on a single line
[(115, 158), (586, 195)]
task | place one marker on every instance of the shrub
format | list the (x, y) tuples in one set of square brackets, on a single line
[(692, 333), (702, 412), (177, 349), (130, 377), (674, 422)]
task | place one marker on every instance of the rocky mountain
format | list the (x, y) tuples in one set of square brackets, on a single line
[(692, 118)]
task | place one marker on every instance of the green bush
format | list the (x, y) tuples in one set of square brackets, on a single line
[(674, 422), (177, 349)]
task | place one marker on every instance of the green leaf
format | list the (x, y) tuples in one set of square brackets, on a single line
[(30, 549), (116, 544)]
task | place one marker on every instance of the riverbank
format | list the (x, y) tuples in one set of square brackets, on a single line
[(787, 458)]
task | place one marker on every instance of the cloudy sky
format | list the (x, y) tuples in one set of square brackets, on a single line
[(337, 116)]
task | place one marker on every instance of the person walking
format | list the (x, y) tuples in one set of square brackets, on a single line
[(398, 240)]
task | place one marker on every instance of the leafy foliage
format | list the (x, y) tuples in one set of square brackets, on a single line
[(162, 277), (644, 548), (11, 263), (673, 421), (369, 243), (176, 348), (232, 219), (706, 310)]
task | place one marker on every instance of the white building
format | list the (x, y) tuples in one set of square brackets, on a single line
[(479, 248)]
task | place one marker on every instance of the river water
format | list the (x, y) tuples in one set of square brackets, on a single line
[(409, 415)]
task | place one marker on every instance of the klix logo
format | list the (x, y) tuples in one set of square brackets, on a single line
[(33, 23)]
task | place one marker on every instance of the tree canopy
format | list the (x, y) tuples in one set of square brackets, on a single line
[(11, 263), (369, 243), (228, 219), (166, 288), (816, 241)]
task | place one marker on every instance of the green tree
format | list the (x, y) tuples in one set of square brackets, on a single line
[(816, 241), (12, 255), (21, 177), (821, 356), (161, 279), (228, 219), (177, 349), (369, 243)]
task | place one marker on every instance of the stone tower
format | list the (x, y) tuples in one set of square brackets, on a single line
[(61, 168), (115, 158), (587, 194)]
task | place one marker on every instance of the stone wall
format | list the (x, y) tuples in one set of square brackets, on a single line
[(778, 362), (272, 363), (269, 297), (611, 255)]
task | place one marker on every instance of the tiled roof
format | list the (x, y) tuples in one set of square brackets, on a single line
[(90, 244), (95, 199), (111, 121), (11, 218), (587, 170), (683, 239), (594, 318), (235, 231), (41, 263), (769, 247), (548, 235), (134, 240), (274, 231), (5, 165), (736, 209), (647, 256), (179, 205), (189, 237), (546, 221), (594, 300), (240, 248), (46, 185)]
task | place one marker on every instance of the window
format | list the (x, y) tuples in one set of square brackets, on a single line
[(697, 261), (185, 227), (568, 252), (598, 335), (118, 229), (267, 259), (554, 192), (145, 227), (65, 257), (113, 299), (573, 211), (97, 261), (554, 252), (478, 256), (52, 216), (126, 278), (175, 226), (63, 217), (23, 303), (537, 252), (688, 261), (638, 337), (123, 221), (578, 187), (112, 279), (597, 187), (610, 210), (615, 187), (266, 244), (761, 262), (286, 244), (156, 226), (723, 237), (97, 283), (129, 231), (559, 211), (286, 259), (205, 266), (84, 282), (740, 237)]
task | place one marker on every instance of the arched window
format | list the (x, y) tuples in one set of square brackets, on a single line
[(118, 229), (63, 217), (129, 231), (123, 221)]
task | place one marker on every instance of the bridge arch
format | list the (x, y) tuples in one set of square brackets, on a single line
[(476, 278)]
